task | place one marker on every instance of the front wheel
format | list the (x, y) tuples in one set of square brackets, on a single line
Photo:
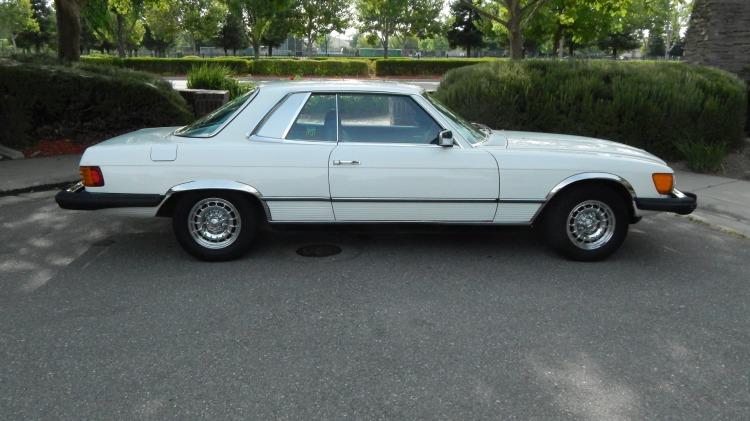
[(587, 224), (214, 226)]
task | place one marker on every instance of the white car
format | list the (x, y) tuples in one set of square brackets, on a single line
[(362, 152)]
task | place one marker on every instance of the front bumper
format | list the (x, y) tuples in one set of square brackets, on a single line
[(682, 203), (76, 197)]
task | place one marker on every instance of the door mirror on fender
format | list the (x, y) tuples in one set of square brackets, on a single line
[(445, 138)]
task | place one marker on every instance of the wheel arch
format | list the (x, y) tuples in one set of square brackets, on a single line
[(167, 206), (617, 183)]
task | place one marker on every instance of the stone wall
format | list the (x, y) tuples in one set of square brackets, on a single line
[(203, 101), (719, 35)]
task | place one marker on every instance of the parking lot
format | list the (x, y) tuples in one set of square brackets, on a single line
[(107, 318)]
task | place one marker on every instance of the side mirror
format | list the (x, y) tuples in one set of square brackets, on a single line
[(445, 138)]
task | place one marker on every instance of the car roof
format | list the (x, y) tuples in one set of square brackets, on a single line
[(343, 85)]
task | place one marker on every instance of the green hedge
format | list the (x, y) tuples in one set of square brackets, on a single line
[(422, 67), (290, 67), (85, 103), (272, 67), (169, 66), (664, 108)]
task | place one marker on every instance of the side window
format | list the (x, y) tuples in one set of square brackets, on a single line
[(316, 121), (384, 119), (277, 123)]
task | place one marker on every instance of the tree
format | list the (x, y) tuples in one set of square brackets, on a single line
[(259, 16), (116, 21), (385, 19), (17, 16), (513, 15), (464, 31), (282, 25), (318, 17), (38, 37), (162, 26), (232, 34), (201, 19), (670, 18)]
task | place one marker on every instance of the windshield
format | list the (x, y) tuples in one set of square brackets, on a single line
[(468, 130), (209, 124)]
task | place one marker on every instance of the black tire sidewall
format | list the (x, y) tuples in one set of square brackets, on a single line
[(239, 247), (555, 222)]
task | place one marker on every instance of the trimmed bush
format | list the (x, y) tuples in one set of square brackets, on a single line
[(657, 106), (169, 66), (86, 103), (422, 67), (269, 66), (291, 67), (217, 77)]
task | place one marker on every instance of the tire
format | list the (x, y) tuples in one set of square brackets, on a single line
[(215, 226), (587, 223)]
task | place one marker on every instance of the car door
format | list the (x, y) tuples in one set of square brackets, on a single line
[(288, 154), (387, 166)]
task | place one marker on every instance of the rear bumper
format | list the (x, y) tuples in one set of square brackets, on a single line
[(682, 203), (76, 197)]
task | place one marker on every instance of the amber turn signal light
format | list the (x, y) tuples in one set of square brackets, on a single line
[(663, 182), (92, 176)]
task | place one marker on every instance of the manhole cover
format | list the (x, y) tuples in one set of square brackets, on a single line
[(319, 250)]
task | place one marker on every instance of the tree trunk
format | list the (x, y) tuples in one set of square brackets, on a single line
[(514, 31), (468, 50), (385, 46), (120, 35), (68, 15), (256, 49), (309, 44), (270, 50), (557, 41)]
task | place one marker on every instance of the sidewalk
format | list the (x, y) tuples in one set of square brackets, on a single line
[(29, 173), (722, 202)]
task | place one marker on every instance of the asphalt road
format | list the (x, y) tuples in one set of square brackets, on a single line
[(104, 318)]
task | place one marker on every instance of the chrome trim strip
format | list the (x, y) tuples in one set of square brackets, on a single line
[(530, 201), (338, 121), (396, 200), (410, 200), (586, 176), (75, 187), (296, 199), (218, 185)]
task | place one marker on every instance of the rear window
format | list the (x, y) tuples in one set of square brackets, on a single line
[(212, 122)]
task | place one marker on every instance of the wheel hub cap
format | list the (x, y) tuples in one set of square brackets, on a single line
[(591, 224), (214, 223)]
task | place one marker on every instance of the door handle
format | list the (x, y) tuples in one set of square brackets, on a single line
[(337, 162)]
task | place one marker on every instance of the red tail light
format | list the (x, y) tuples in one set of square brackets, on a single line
[(92, 176)]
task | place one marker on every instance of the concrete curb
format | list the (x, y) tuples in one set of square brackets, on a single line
[(10, 153), (34, 174)]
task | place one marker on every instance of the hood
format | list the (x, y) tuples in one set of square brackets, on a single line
[(141, 137), (567, 143)]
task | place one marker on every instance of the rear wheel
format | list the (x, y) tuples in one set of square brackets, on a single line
[(587, 223), (214, 226)]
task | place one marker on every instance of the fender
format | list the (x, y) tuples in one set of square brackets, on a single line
[(218, 185), (584, 177)]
